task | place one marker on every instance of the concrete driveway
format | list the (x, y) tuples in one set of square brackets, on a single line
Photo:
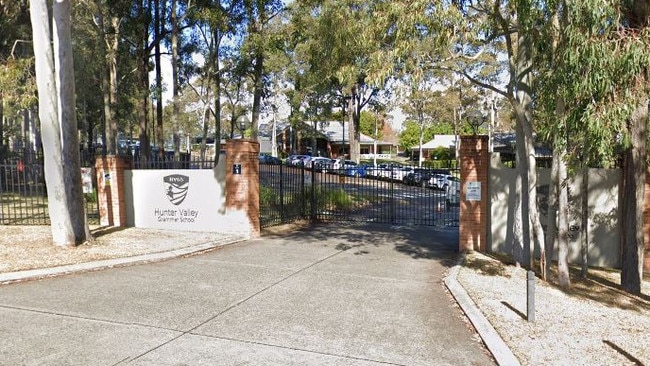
[(325, 295)]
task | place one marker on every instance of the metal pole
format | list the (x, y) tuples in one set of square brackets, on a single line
[(530, 296)]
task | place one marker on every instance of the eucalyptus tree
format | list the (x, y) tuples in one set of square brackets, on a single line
[(488, 43), (56, 96), (17, 85), (216, 21), (340, 42), (257, 18), (597, 86), (107, 20)]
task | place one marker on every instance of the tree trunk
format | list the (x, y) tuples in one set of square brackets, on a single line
[(634, 178), (551, 228), (257, 94), (352, 147), (160, 139), (112, 85), (55, 82), (217, 103), (143, 71), (564, 279), (175, 109), (584, 225), (533, 234), (523, 192), (2, 125)]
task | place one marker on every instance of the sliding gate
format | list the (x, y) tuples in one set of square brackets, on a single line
[(290, 193)]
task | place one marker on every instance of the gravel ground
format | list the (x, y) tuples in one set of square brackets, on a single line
[(593, 323), (30, 247)]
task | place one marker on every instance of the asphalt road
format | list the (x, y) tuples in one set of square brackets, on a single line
[(326, 295)]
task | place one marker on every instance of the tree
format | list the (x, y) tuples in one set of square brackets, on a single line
[(55, 82), (259, 14), (595, 90)]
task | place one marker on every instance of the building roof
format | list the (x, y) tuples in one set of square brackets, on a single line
[(439, 141)]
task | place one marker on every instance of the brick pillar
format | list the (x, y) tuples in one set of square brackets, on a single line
[(110, 189), (243, 182), (474, 164)]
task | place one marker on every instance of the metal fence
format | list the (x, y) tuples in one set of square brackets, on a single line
[(169, 161), (290, 193), (23, 193)]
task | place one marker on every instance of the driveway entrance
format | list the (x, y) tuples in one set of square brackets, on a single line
[(323, 295), (392, 195)]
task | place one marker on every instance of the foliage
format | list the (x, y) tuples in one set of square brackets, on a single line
[(598, 70)]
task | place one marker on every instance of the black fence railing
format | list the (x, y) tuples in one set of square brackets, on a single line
[(284, 196), (388, 194), (170, 161), (23, 193)]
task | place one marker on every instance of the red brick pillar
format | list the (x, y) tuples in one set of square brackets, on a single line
[(474, 164), (243, 181), (110, 189)]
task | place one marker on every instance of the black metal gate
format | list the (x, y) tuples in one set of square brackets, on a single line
[(23, 195), (388, 194)]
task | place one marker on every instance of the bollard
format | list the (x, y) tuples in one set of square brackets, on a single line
[(530, 295)]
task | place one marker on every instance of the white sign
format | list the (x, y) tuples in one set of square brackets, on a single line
[(189, 200), (473, 191)]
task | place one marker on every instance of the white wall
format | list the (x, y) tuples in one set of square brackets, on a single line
[(148, 201), (603, 240)]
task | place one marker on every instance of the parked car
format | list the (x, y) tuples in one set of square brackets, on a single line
[(297, 160), (398, 173), (442, 181), (339, 168), (357, 170), (316, 163), (452, 194), (418, 177), (324, 165), (270, 160)]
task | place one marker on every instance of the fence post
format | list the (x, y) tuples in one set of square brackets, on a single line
[(282, 218), (313, 196), (302, 191)]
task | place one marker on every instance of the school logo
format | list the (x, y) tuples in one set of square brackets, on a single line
[(176, 187)]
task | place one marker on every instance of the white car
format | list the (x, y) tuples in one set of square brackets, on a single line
[(316, 163), (398, 174), (452, 193), (347, 164), (442, 181)]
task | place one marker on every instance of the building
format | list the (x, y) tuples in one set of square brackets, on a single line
[(332, 140)]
